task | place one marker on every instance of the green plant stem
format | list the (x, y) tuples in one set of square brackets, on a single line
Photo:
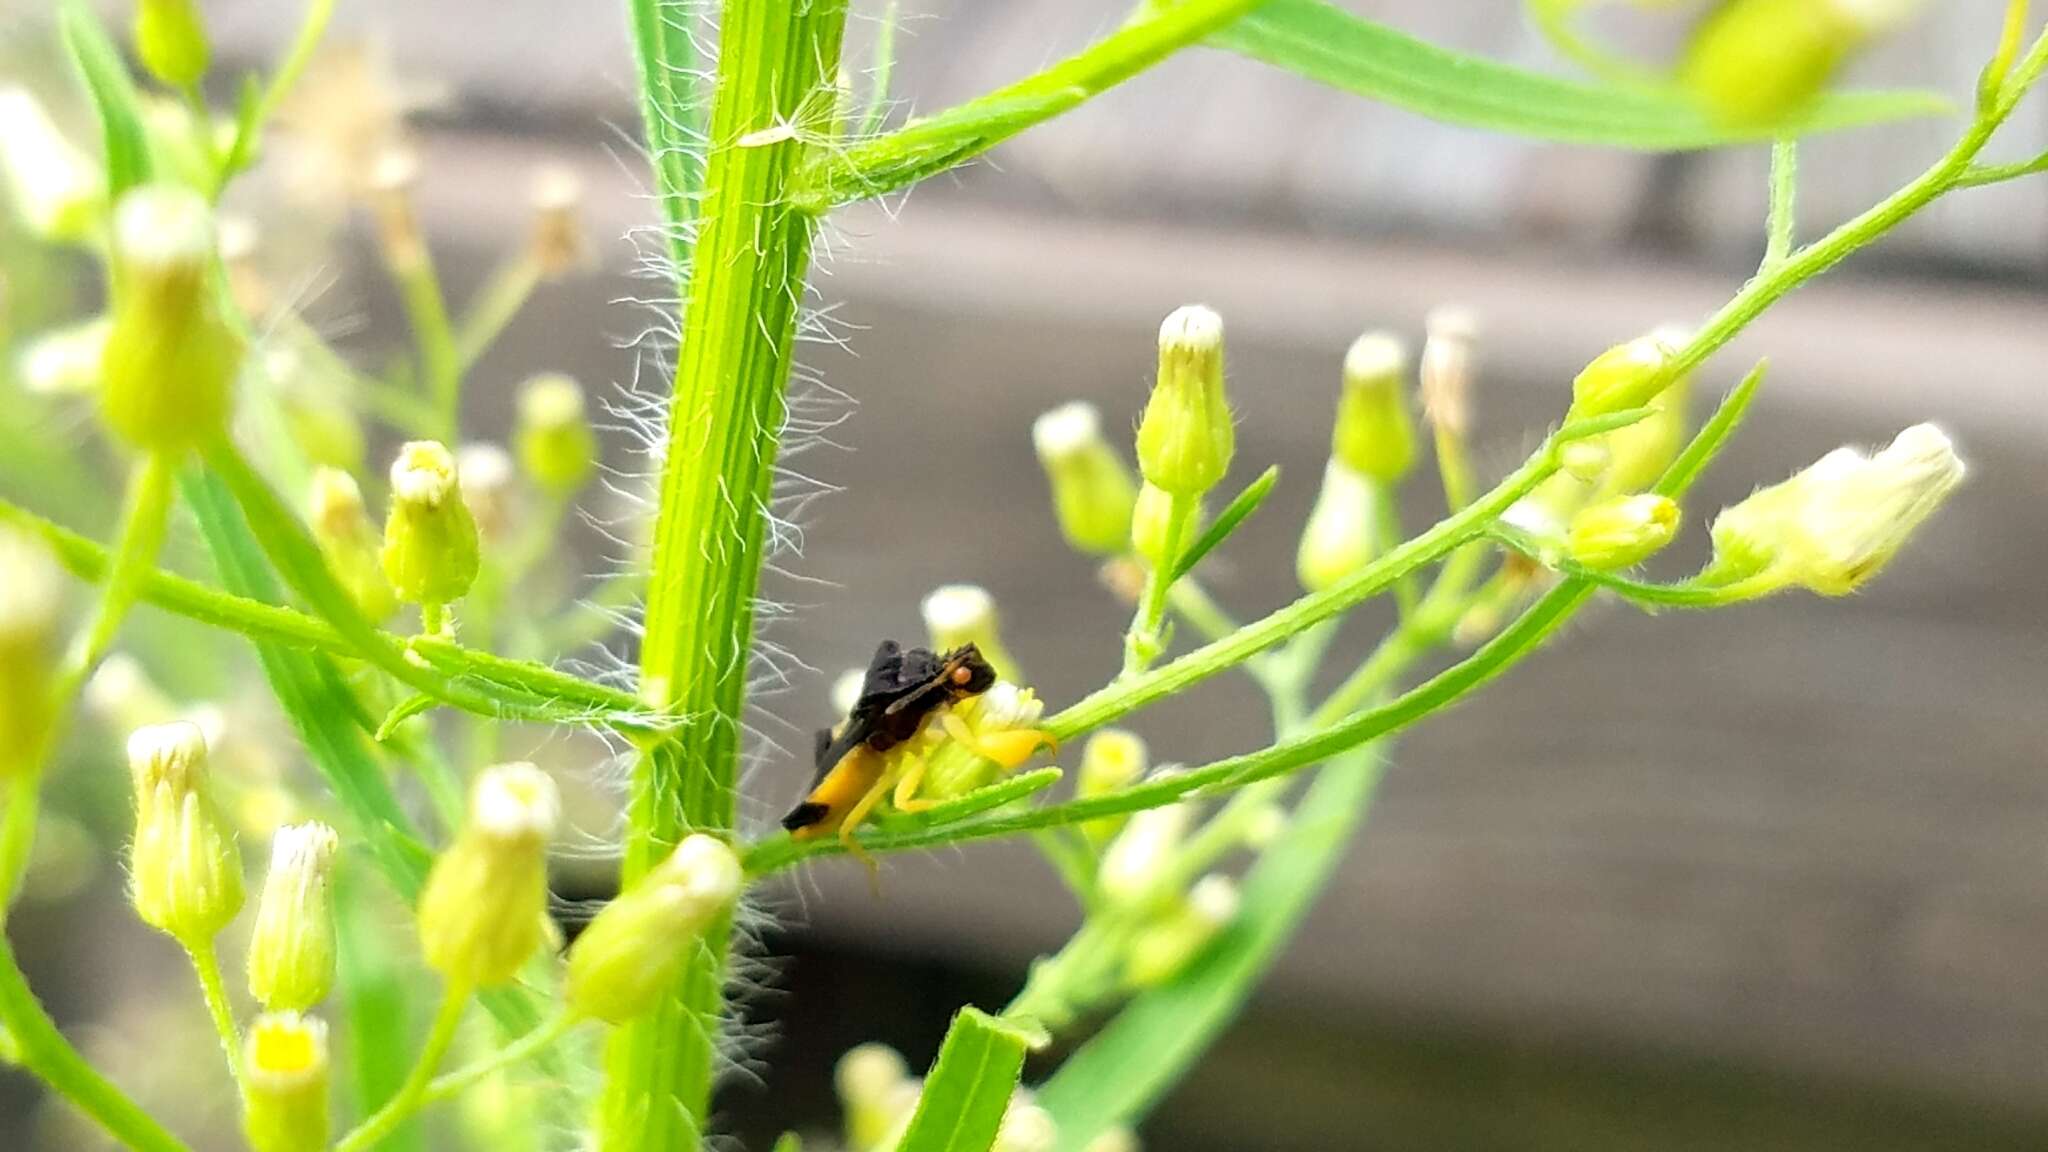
[(776, 65), (1143, 642), (419, 287), (413, 1093), (206, 963), (44, 1051), (1781, 225), (500, 299), (462, 1079)]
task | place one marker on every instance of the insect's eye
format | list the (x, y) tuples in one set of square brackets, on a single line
[(962, 675)]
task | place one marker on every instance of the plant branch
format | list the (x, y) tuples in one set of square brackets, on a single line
[(414, 1092)]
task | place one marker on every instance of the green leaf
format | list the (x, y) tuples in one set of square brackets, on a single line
[(969, 1088), (113, 94), (790, 1142), (1236, 514), (1327, 44), (1119, 1074)]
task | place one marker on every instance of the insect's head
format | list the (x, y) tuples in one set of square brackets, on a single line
[(967, 673)]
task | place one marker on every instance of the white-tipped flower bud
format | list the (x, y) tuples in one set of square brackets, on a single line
[(1621, 532), (1186, 437), (349, 541), (1165, 947), (555, 443), (1761, 62), (557, 245), (31, 593), (631, 954), (168, 368), (960, 614), (1131, 865), (57, 191), (488, 487), (1628, 375), (1374, 435), (870, 1080), (1449, 364), (284, 1060), (1092, 488), (183, 868), (66, 361), (171, 41), (1112, 760), (291, 950), (1026, 1128), (846, 690), (430, 552), (484, 910), (393, 174), (1838, 523), (1342, 531)]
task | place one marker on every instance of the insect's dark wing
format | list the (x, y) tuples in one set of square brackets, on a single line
[(821, 744)]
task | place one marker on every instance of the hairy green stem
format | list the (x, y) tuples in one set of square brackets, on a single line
[(462, 1079), (414, 1092), (206, 963)]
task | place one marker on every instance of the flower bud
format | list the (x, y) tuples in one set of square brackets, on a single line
[(171, 41), (66, 361), (1761, 62), (291, 950), (57, 191), (1838, 523), (1165, 947), (557, 244), (485, 471), (31, 594), (169, 367), (959, 614), (1114, 1140), (430, 540), (630, 955), (1002, 726), (556, 446), (325, 430), (1151, 518), (1375, 436), (1131, 864), (183, 868), (1112, 760), (1625, 376), (484, 910), (349, 541), (1621, 532), (284, 1061), (1639, 453), (1341, 533), (846, 689), (1449, 363), (1026, 1128), (393, 175), (870, 1080), (1092, 489), (1186, 436)]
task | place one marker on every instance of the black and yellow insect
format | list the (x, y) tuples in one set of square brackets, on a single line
[(903, 690)]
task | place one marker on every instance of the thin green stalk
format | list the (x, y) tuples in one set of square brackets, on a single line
[(419, 287), (775, 68), (1142, 643), (500, 299), (413, 1093), (462, 1079), (1781, 225), (206, 963)]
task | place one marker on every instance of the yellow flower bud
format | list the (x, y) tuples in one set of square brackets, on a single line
[(1374, 434), (1621, 532), (56, 189), (1002, 722), (1092, 488), (183, 868), (66, 361), (870, 1080), (1112, 760), (285, 1104), (171, 41), (630, 955), (31, 594), (169, 366), (1131, 865), (291, 950), (1625, 376), (430, 541), (487, 487), (484, 910), (1758, 62), (349, 541), (1167, 945), (557, 244), (555, 443), (1186, 437), (958, 614), (1340, 537)]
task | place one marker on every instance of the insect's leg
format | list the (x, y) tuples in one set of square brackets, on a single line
[(854, 817), (906, 798), (1008, 749)]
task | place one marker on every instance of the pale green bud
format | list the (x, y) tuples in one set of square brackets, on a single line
[(326, 431), (171, 41), (489, 488), (1834, 526), (1165, 947), (291, 950), (1151, 520), (629, 957), (555, 443), (1639, 453), (1340, 535), (870, 1080), (1754, 62), (1112, 760), (1003, 725), (284, 1059), (1450, 362), (169, 367), (1186, 437), (1114, 1140), (1132, 863), (958, 614), (1092, 488), (350, 542), (1625, 376), (1026, 1128), (57, 191), (430, 540), (1621, 532), (31, 595), (66, 361), (484, 909), (184, 871), (1375, 435)]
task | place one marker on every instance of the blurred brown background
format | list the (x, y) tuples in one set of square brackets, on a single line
[(1771, 879)]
